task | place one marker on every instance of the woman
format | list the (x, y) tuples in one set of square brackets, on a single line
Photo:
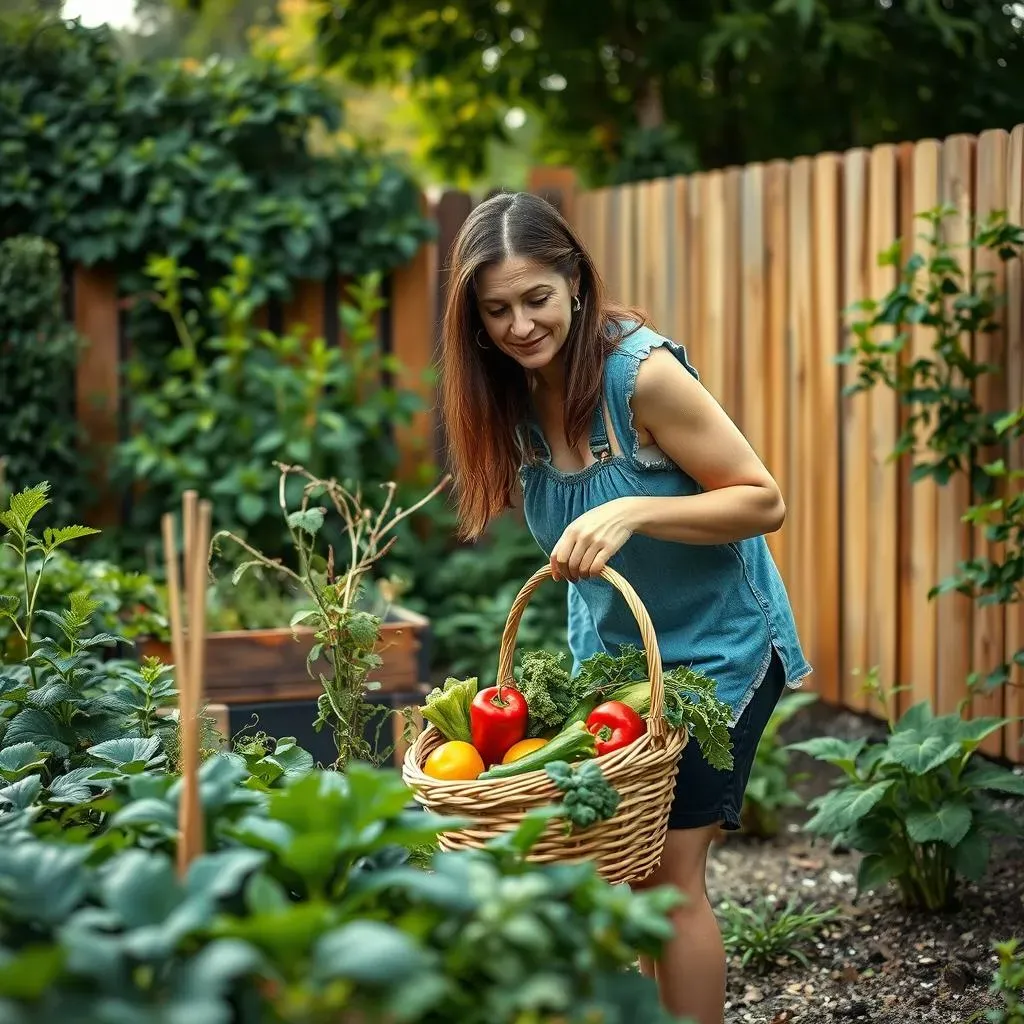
[(625, 460)]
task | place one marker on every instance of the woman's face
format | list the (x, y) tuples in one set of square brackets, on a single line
[(526, 309)]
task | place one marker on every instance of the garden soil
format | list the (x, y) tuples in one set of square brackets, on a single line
[(875, 962)]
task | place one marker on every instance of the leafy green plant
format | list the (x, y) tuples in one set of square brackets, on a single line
[(304, 909), (768, 932), (221, 408), (59, 705), (947, 429), (917, 804), (129, 604), (1007, 986), (333, 586), (96, 160), (39, 431), (770, 788)]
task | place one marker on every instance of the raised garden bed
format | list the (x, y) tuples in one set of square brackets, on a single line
[(262, 665)]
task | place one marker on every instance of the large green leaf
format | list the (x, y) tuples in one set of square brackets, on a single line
[(21, 794), (294, 761), (222, 873), (916, 718), (140, 887), (992, 777), (76, 786), (211, 971), (877, 870), (41, 729), (369, 953), (130, 754), (148, 812), (971, 855), (920, 753), (40, 882), (841, 808), (842, 753), (20, 759), (947, 821)]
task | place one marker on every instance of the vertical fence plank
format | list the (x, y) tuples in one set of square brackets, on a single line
[(679, 276), (991, 391), (955, 612), (751, 367), (645, 253), (1015, 396), (776, 382), (732, 365), (412, 343), (663, 255), (98, 381), (883, 619), (558, 186), (919, 614), (802, 428), (602, 201), (856, 455), (696, 272), (626, 240), (615, 199), (716, 296), (824, 394), (304, 312)]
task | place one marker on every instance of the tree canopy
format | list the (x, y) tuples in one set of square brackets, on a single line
[(633, 88)]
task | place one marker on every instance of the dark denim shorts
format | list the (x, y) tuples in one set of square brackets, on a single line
[(705, 795)]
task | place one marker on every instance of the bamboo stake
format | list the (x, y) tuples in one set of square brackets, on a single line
[(188, 650)]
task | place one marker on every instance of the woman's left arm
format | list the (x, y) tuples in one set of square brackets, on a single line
[(739, 498)]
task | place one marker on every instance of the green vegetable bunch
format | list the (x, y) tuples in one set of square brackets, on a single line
[(447, 708), (589, 797), (551, 693)]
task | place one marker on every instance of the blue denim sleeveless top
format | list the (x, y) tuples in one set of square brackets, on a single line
[(720, 609)]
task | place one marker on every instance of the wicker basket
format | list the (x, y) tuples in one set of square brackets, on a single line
[(627, 847)]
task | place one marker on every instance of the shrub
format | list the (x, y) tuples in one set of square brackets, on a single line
[(39, 431), (116, 162), (221, 408)]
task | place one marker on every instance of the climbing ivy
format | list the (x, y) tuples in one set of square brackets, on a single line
[(117, 162)]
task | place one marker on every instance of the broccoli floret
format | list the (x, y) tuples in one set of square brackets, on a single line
[(588, 796), (551, 695)]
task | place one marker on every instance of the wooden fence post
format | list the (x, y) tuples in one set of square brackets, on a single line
[(412, 344), (558, 186), (97, 384)]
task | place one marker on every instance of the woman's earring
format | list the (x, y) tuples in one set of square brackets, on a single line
[(576, 304), (478, 333)]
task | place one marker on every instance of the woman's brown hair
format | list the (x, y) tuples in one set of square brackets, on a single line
[(485, 394)]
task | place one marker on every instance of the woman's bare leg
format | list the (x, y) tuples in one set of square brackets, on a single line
[(691, 971)]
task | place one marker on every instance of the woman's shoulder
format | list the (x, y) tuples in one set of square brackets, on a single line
[(637, 341)]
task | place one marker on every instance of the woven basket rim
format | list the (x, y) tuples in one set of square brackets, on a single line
[(615, 764)]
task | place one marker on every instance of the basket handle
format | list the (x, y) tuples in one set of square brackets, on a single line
[(656, 726)]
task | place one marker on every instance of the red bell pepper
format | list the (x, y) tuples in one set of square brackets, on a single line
[(497, 721), (614, 725)]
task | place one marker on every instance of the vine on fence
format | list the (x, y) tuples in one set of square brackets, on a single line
[(39, 433), (116, 162), (948, 430)]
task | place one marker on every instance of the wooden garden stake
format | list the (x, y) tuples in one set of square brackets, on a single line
[(188, 646)]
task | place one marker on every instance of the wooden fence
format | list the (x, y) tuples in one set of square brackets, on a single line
[(750, 268)]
